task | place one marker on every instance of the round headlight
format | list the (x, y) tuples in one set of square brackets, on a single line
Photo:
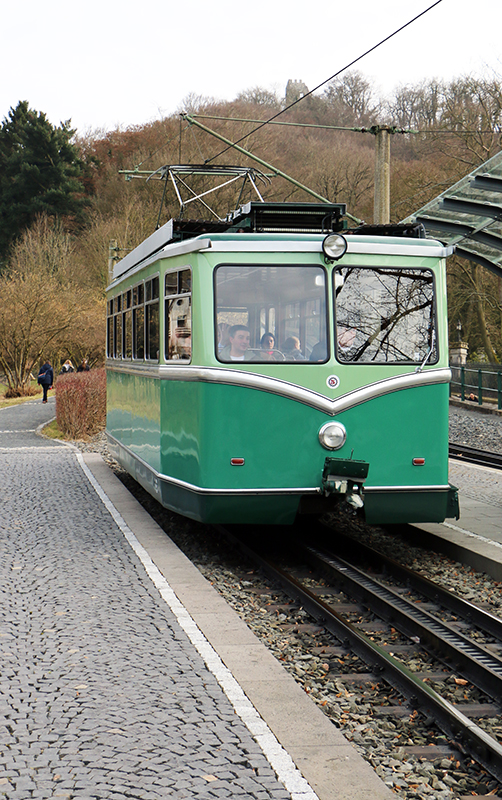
[(332, 435), (334, 246)]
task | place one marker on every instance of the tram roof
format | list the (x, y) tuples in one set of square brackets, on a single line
[(468, 216), (269, 227), (251, 217), (288, 243)]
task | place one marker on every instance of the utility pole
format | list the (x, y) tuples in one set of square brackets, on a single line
[(381, 208)]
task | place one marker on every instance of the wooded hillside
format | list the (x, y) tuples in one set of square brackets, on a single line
[(84, 202)]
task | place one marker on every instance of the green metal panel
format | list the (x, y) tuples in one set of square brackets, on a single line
[(390, 431), (133, 414), (181, 437), (205, 425)]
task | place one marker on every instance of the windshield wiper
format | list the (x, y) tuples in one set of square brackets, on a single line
[(431, 348)]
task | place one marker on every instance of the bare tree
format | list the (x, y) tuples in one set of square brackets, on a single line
[(472, 113), (193, 103), (343, 180), (38, 303), (474, 296), (417, 105), (259, 96), (351, 98)]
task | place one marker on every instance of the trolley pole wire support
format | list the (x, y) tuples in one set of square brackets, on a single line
[(192, 121)]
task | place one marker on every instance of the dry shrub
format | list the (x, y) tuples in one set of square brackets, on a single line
[(22, 391), (81, 403)]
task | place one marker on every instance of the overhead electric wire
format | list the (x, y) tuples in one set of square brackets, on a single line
[(359, 129), (353, 129), (347, 66)]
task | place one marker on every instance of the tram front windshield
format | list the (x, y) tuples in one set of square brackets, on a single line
[(279, 313), (271, 313), (384, 315)]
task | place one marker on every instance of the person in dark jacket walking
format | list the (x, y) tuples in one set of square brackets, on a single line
[(46, 378)]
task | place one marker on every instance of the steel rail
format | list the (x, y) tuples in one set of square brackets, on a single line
[(475, 662), (470, 455), (347, 548), (469, 736)]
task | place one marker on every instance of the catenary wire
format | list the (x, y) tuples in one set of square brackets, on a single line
[(347, 66), (350, 129)]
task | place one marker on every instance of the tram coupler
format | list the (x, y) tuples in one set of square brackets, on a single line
[(344, 476)]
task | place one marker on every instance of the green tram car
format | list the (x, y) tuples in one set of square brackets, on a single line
[(268, 366)]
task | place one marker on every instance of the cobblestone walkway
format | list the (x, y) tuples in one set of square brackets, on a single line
[(101, 694), (477, 483)]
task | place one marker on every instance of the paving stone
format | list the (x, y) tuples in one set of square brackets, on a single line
[(23, 784), (17, 795), (132, 712)]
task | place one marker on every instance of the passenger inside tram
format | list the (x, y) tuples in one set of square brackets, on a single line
[(292, 349), (319, 352), (268, 350), (238, 347), (281, 309)]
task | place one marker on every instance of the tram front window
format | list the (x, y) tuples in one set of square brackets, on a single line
[(270, 313), (384, 315)]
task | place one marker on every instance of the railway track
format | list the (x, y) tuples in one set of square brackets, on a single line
[(470, 455), (372, 714), (423, 633)]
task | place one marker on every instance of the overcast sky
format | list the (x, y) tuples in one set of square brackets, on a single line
[(107, 64)]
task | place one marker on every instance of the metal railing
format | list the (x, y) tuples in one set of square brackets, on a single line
[(479, 383)]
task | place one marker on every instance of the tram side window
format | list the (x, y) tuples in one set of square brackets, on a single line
[(117, 327), (178, 315), (152, 332), (131, 323), (109, 328), (126, 325), (138, 322), (271, 313), (385, 315)]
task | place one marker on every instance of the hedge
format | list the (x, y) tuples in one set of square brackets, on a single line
[(81, 403)]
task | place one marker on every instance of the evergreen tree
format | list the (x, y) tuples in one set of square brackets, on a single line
[(40, 173)]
